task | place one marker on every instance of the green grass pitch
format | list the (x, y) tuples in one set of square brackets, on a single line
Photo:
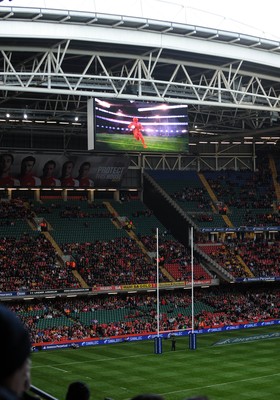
[(124, 143), (246, 371)]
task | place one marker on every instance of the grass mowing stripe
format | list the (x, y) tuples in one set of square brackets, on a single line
[(89, 361)]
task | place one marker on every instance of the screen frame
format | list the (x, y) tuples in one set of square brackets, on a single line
[(155, 117)]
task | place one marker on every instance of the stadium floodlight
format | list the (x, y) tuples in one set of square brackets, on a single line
[(162, 107), (103, 103)]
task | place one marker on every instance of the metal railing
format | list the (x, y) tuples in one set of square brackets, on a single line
[(41, 393)]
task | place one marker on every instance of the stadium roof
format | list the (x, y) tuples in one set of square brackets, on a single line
[(53, 60)]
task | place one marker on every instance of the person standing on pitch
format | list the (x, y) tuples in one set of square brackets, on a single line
[(173, 343)]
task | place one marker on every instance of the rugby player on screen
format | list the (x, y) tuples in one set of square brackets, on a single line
[(137, 128)]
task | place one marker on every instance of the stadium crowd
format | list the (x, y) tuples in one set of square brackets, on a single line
[(121, 261), (197, 195), (117, 315), (113, 262), (13, 210), (39, 267), (118, 260), (261, 256), (243, 189)]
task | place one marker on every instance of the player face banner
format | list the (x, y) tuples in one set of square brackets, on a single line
[(47, 171)]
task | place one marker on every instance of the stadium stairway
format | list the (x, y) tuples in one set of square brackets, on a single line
[(129, 232), (80, 279), (114, 213), (274, 176), (214, 198), (30, 223), (213, 265), (133, 236), (227, 221), (207, 187), (167, 274), (245, 267), (54, 244), (60, 254)]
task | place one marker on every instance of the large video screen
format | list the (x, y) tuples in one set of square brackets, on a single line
[(138, 126)]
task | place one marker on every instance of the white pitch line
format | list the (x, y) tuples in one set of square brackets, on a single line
[(90, 361), (59, 369), (219, 384), (215, 385)]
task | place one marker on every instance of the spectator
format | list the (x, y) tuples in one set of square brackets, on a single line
[(173, 343), (14, 354), (78, 391)]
